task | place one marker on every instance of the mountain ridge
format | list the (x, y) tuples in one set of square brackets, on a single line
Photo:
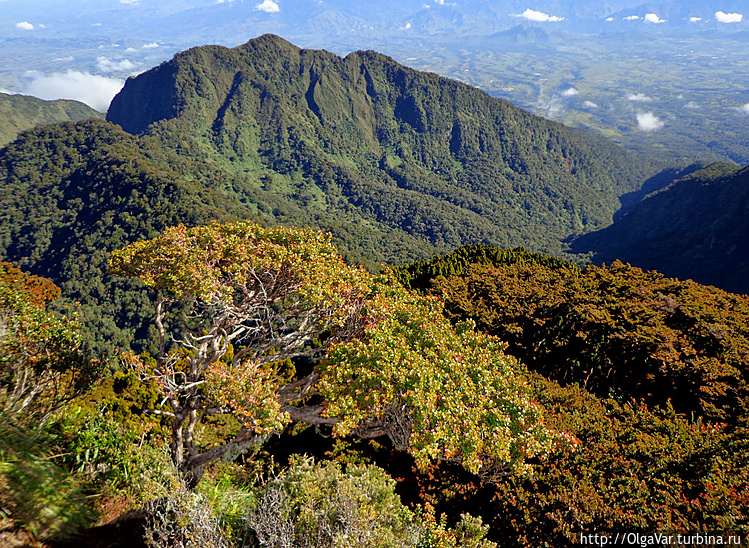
[(21, 112), (398, 165), (270, 108), (696, 227)]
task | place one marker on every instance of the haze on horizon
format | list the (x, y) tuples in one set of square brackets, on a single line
[(637, 75)]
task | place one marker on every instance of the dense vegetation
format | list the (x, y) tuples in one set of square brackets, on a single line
[(695, 228), (396, 164), (44, 363), (21, 112), (537, 397), (641, 379), (380, 146), (71, 194), (613, 330), (649, 373), (253, 299)]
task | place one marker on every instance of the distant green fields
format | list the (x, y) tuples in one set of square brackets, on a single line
[(694, 87)]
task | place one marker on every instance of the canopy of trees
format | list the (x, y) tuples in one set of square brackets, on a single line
[(233, 301), (649, 373), (616, 330)]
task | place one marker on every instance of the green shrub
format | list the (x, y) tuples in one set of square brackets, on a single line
[(636, 469), (321, 506), (616, 330), (230, 489), (182, 519), (123, 457), (327, 507), (43, 362)]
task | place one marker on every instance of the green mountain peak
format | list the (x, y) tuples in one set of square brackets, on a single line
[(432, 157), (397, 164), (21, 112)]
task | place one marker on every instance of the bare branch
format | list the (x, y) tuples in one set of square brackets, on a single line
[(243, 441), (216, 411), (310, 415), (299, 389), (159, 412)]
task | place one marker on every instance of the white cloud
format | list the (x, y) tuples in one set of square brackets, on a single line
[(647, 121), (24, 25), (695, 19), (96, 91), (744, 108), (639, 98), (108, 65), (728, 17), (533, 15), (609, 19), (152, 45), (268, 6), (632, 18), (653, 18), (692, 105), (553, 107), (590, 104), (129, 2), (63, 59), (570, 92), (130, 50)]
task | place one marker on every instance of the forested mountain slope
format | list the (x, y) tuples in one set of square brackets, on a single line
[(697, 227), (71, 193), (367, 140), (397, 164), (21, 112)]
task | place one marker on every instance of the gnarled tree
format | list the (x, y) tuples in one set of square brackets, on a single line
[(388, 363)]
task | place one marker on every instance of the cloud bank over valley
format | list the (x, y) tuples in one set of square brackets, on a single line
[(647, 122), (94, 90)]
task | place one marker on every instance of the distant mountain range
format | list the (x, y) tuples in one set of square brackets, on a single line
[(231, 21)]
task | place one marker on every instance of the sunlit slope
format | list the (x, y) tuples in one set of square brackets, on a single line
[(375, 144), (21, 112)]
